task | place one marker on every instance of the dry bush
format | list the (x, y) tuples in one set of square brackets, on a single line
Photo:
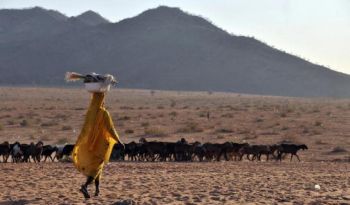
[(5, 116), (1, 127), (285, 128), (50, 108), (124, 118), (173, 114), (61, 116), (250, 137), (227, 115), (145, 124), (66, 127), (31, 115), (305, 130), (316, 132), (49, 124), (160, 107), (318, 123), (11, 122), (129, 131), (203, 114), (154, 131), (173, 103), (24, 123), (224, 130), (320, 142), (190, 127), (259, 120), (316, 110), (62, 140), (126, 108), (242, 131), (338, 150)]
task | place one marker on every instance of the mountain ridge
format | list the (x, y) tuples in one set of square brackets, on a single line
[(167, 48)]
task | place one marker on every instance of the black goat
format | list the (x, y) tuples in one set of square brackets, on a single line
[(289, 149), (5, 151)]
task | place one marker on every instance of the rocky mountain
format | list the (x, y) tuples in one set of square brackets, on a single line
[(161, 48)]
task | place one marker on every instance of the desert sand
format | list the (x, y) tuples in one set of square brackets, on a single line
[(55, 116)]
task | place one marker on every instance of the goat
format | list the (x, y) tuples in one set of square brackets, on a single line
[(5, 150), (16, 152), (36, 151), (47, 152), (290, 149), (67, 150)]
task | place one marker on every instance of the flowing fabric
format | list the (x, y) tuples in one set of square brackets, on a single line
[(96, 140)]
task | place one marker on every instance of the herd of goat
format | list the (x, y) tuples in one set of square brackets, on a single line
[(144, 150)]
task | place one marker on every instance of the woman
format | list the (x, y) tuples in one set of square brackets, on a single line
[(95, 143)]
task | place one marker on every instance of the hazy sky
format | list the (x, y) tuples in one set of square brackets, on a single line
[(317, 30)]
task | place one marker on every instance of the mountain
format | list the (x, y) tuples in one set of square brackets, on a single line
[(92, 18), (163, 48)]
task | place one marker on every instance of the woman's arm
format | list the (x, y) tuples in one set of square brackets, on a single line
[(111, 128)]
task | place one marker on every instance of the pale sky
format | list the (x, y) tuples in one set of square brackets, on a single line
[(317, 30)]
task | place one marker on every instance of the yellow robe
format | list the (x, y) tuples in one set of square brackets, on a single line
[(96, 140)]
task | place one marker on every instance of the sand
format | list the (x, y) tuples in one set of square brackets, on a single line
[(55, 116), (180, 183)]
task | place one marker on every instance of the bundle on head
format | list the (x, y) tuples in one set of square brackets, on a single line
[(73, 76)]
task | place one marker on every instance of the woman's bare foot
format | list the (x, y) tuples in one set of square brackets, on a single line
[(97, 192), (84, 190)]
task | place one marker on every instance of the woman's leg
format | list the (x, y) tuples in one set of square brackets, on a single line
[(97, 185), (84, 190)]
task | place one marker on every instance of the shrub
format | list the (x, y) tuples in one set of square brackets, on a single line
[(24, 123), (173, 103), (337, 150), (320, 142), (10, 122), (1, 127), (224, 130), (124, 118), (154, 131), (227, 115), (190, 127), (259, 120), (129, 131), (173, 114), (49, 124), (284, 128), (318, 123), (67, 127), (31, 137), (126, 108), (145, 124), (62, 140), (202, 114)]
